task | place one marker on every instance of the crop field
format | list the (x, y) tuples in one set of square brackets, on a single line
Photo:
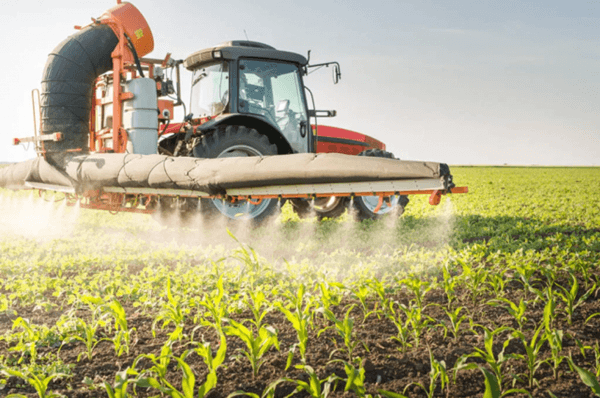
[(491, 293)]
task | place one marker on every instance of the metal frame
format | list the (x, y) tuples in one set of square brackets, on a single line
[(141, 200), (50, 187)]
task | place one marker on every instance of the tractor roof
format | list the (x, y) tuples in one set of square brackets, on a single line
[(235, 49)]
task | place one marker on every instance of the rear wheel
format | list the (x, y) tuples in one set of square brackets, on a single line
[(329, 207), (236, 141), (364, 206)]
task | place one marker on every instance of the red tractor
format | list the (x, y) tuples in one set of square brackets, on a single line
[(249, 99), (100, 133)]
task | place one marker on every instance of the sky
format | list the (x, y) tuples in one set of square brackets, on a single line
[(460, 82)]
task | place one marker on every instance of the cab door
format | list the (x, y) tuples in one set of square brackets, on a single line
[(274, 90)]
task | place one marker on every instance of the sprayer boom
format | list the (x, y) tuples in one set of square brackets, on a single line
[(145, 200)]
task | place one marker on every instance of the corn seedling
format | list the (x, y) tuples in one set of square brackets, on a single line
[(455, 321), (497, 281), (596, 349), (160, 362), (417, 321), (474, 279), (555, 341), (495, 362), (378, 287), (39, 381), (361, 292), (330, 293), (172, 312), (213, 362), (122, 338), (343, 328), (216, 306), (247, 256), (569, 297), (299, 319), (403, 332), (119, 387), (355, 378), (255, 304), (517, 311), (449, 284), (493, 385), (525, 272), (532, 352), (28, 339), (256, 346), (418, 287), (315, 387), (188, 382), (437, 373), (86, 333)]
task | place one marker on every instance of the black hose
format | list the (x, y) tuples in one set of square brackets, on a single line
[(138, 64), (68, 86), (166, 127)]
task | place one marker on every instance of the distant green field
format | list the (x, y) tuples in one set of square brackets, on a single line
[(489, 291)]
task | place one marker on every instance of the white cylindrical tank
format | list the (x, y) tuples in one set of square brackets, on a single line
[(140, 116)]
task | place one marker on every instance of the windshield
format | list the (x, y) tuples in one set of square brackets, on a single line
[(272, 89), (210, 90)]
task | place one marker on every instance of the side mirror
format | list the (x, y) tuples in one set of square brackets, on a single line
[(337, 74), (318, 113)]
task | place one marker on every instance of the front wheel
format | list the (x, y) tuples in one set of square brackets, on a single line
[(236, 141), (365, 206)]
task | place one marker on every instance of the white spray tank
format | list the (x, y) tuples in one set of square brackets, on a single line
[(140, 116)]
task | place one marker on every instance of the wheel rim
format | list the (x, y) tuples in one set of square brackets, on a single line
[(325, 205), (371, 203), (239, 151), (241, 209)]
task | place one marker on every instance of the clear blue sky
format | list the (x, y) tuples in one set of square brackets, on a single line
[(462, 82)]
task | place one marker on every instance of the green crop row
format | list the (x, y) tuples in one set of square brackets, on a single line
[(498, 286)]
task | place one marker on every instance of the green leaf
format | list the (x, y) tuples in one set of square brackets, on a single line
[(389, 394), (147, 382), (290, 357), (209, 384), (492, 387), (189, 380), (588, 378), (238, 393), (220, 357)]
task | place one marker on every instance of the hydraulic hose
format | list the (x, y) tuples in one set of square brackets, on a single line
[(138, 64)]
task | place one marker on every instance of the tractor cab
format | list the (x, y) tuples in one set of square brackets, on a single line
[(256, 84)]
